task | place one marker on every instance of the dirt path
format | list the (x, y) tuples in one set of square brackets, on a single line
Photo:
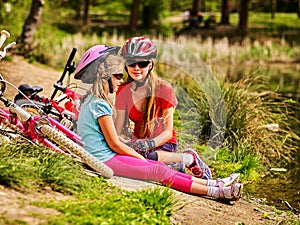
[(189, 209)]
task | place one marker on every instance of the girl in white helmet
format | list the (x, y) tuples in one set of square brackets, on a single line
[(149, 102)]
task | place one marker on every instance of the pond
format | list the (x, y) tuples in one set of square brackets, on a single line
[(280, 188)]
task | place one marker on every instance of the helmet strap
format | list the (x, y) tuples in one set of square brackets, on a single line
[(110, 85), (140, 83)]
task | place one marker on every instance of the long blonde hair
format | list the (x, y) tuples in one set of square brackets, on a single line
[(150, 107), (102, 71)]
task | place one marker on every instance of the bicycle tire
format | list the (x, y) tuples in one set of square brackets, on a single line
[(32, 107), (67, 144)]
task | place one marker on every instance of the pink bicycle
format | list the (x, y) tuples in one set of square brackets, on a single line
[(68, 114), (17, 122)]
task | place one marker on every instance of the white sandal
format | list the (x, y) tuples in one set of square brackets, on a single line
[(233, 178), (235, 190)]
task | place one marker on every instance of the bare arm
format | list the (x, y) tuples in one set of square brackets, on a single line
[(112, 139), (168, 129), (120, 123), (120, 120)]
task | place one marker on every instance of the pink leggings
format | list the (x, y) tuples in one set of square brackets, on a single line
[(127, 166)]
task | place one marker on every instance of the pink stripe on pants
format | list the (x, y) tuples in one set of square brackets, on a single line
[(127, 166)]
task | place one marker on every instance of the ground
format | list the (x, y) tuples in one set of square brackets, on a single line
[(189, 209)]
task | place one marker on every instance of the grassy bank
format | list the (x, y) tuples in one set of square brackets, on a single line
[(92, 200), (248, 142)]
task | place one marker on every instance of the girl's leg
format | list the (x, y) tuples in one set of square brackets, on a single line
[(131, 167), (156, 171)]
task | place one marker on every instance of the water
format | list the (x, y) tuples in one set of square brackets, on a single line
[(279, 187)]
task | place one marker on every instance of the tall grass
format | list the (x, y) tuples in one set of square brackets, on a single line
[(257, 120), (209, 50), (221, 51), (31, 167)]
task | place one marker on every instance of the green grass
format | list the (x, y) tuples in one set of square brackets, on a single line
[(265, 22), (92, 200)]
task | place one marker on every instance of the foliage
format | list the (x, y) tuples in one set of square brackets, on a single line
[(53, 34), (257, 122), (243, 162), (93, 201), (13, 14)]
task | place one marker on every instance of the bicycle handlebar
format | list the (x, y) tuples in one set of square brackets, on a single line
[(4, 34), (69, 67), (59, 87)]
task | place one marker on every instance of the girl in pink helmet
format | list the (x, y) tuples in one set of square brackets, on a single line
[(100, 67)]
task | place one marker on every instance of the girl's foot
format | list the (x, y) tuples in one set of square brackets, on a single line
[(232, 193), (198, 167), (227, 181), (224, 182)]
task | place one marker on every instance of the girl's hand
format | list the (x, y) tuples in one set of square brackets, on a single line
[(142, 146), (122, 139)]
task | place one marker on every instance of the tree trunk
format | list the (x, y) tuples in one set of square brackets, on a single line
[(225, 12), (203, 6), (78, 11), (242, 28), (299, 9), (30, 26), (195, 8), (85, 11), (134, 17), (273, 8), (147, 17)]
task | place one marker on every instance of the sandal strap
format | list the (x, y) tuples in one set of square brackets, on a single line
[(220, 182), (221, 190)]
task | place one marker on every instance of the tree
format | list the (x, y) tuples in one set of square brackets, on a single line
[(86, 5), (134, 16), (242, 28), (298, 9), (30, 26), (195, 8), (225, 11), (152, 12), (77, 8), (273, 8)]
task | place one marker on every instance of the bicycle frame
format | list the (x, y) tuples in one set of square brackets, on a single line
[(29, 128), (71, 105), (44, 129), (70, 109)]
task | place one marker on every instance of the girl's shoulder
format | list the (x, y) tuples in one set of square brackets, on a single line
[(124, 88), (163, 84)]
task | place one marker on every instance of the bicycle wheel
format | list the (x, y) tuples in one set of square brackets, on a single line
[(69, 145), (37, 108)]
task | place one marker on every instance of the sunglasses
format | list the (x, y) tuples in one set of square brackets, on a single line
[(141, 64), (118, 76)]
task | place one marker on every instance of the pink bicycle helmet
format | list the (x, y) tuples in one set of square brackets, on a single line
[(138, 47), (97, 52)]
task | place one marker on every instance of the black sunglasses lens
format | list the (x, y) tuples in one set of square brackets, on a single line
[(119, 76), (141, 64)]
